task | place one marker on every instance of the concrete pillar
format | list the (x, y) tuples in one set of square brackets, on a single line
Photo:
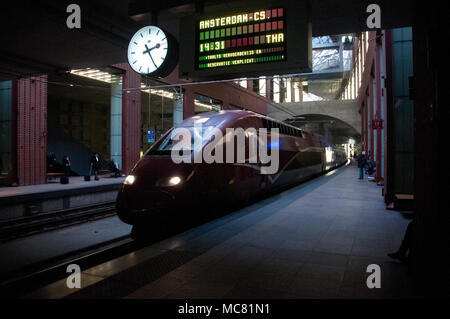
[(116, 120), (177, 108), (7, 135), (131, 117), (291, 91), (300, 91)]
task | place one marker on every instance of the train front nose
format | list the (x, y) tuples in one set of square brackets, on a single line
[(154, 187)]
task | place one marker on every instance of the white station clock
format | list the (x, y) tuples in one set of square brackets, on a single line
[(149, 51)]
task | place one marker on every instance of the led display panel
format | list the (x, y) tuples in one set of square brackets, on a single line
[(246, 38), (258, 38)]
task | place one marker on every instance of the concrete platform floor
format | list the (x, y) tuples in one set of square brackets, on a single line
[(312, 241), (75, 182)]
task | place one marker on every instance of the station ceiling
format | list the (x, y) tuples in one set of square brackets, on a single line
[(36, 40)]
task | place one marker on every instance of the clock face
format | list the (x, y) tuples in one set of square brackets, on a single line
[(147, 50)]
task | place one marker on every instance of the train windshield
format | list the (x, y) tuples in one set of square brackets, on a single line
[(176, 139)]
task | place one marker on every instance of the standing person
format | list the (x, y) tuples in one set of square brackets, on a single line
[(95, 165), (66, 165), (361, 159)]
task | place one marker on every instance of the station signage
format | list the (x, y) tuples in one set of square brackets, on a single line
[(150, 136), (261, 38), (246, 38)]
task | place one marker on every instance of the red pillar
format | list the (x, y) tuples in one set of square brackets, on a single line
[(370, 117), (378, 111), (365, 125), (361, 112), (268, 89), (250, 85), (188, 103), (31, 111), (131, 117)]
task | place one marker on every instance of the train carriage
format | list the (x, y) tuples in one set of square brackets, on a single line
[(159, 186)]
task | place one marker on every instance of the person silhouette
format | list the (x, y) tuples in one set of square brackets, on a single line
[(66, 165), (404, 252), (95, 165), (361, 159)]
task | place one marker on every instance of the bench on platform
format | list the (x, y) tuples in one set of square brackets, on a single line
[(402, 202), (104, 171), (54, 176), (404, 196)]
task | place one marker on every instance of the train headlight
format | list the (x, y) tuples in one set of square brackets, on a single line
[(129, 180), (174, 181)]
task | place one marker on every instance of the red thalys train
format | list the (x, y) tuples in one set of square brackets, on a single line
[(157, 185)]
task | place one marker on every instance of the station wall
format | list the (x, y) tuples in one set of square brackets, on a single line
[(77, 129), (41, 123), (385, 106), (5, 131)]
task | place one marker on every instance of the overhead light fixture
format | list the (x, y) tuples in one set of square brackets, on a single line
[(98, 75)]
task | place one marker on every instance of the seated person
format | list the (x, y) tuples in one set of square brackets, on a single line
[(52, 163), (371, 167), (114, 168)]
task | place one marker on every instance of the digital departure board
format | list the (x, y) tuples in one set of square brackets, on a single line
[(230, 40), (245, 38)]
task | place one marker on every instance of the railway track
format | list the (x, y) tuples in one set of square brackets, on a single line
[(42, 222), (23, 281)]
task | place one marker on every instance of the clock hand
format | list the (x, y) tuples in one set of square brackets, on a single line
[(148, 51)]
